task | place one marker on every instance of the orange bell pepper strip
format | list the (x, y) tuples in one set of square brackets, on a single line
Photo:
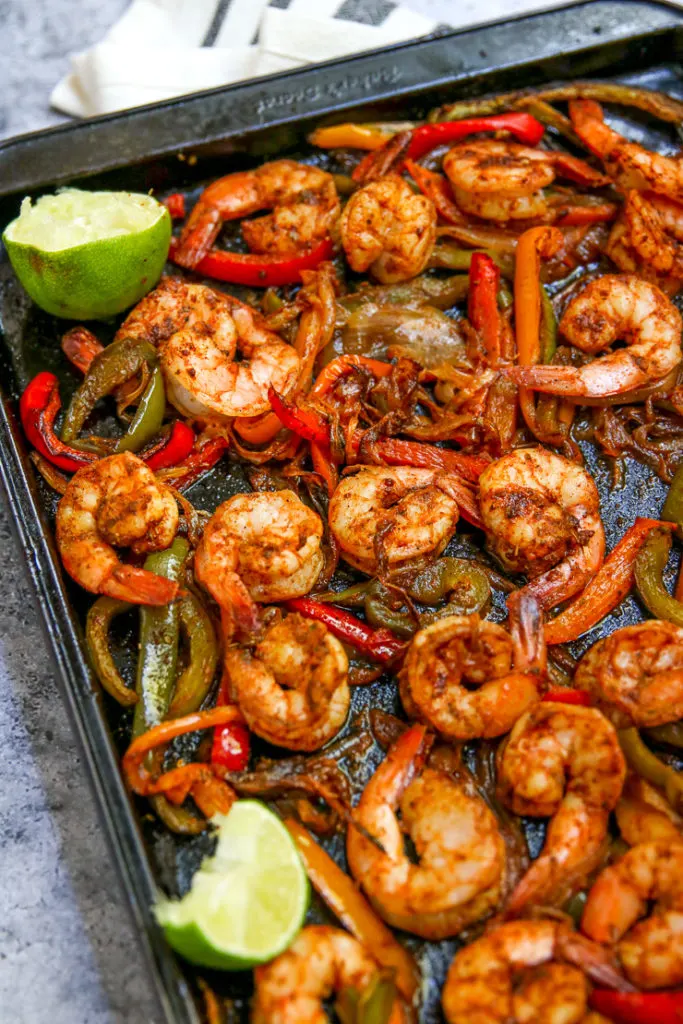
[(178, 783), (350, 136), (324, 466), (532, 245), (606, 590), (344, 899)]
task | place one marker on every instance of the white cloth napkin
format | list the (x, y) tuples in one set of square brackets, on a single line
[(164, 48)]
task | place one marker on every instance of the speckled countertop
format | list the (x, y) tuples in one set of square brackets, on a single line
[(68, 954)]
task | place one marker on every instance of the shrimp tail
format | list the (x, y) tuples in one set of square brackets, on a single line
[(526, 627), (198, 236), (596, 961), (570, 381), (130, 583)]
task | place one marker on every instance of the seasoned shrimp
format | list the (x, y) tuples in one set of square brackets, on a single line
[(390, 516), (322, 961), (465, 649), (292, 687), (303, 200), (460, 850), (630, 164), (564, 761), (655, 232), (116, 502), (526, 972), (541, 515), (198, 333), (635, 674), (609, 309), (650, 950), (389, 230), (504, 181), (644, 814), (259, 547)]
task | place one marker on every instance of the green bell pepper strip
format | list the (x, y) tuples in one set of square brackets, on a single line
[(673, 506), (649, 767), (381, 615), (195, 681), (465, 581), (108, 370), (648, 570), (99, 620), (159, 635), (148, 417), (373, 1005)]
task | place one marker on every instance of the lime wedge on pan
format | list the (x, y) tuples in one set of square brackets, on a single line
[(88, 255), (248, 901)]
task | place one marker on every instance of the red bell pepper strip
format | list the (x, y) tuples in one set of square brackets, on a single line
[(304, 422), (324, 466), (606, 590), (482, 305), (175, 204), (231, 742), (200, 461), (257, 271), (380, 644), (523, 126), (566, 695), (172, 449), (436, 188), (638, 1007), (38, 408)]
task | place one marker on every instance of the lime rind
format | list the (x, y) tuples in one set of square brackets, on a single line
[(95, 264), (248, 901)]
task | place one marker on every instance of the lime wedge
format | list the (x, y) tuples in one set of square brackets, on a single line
[(248, 901), (88, 255)]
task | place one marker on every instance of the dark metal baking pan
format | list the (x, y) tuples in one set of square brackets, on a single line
[(224, 129)]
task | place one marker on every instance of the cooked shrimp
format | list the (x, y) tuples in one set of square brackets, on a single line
[(630, 164), (389, 230), (198, 333), (259, 547), (390, 516), (505, 181), (541, 515), (644, 814), (116, 502), (650, 950), (322, 961), (609, 309), (636, 674), (466, 649), (646, 239), (460, 851), (292, 687), (521, 973), (564, 761), (303, 200)]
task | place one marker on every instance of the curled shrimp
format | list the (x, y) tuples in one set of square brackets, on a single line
[(526, 971), (461, 853), (389, 230), (292, 686), (390, 516), (116, 502), (504, 181), (303, 200), (467, 649), (633, 166), (259, 547), (198, 333), (635, 674), (648, 238), (562, 761), (321, 962), (650, 948), (541, 515), (644, 814), (613, 308)]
